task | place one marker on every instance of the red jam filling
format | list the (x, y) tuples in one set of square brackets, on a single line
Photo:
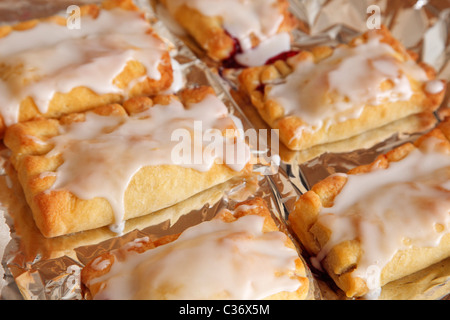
[(283, 56), (232, 63)]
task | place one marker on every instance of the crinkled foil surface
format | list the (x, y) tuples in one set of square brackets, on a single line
[(49, 269)]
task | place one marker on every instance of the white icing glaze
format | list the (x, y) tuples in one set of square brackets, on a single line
[(269, 48), (100, 264), (52, 58), (245, 207), (339, 87), (213, 260), (391, 209), (179, 80), (136, 243), (103, 153), (240, 18), (434, 86)]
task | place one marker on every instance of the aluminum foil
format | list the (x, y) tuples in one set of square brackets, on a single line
[(40, 268)]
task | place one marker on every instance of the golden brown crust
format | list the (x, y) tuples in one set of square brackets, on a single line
[(256, 83), (81, 98), (256, 206), (209, 33), (60, 212), (344, 257)]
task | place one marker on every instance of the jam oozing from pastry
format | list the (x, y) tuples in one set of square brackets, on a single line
[(103, 153), (339, 87), (50, 58), (267, 53), (240, 18), (244, 20), (387, 210), (274, 47), (213, 260), (282, 56)]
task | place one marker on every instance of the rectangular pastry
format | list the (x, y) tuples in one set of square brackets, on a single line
[(105, 166), (331, 94), (158, 223), (381, 221), (49, 67), (238, 255), (239, 33)]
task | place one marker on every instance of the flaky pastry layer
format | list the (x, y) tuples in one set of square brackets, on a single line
[(94, 279)]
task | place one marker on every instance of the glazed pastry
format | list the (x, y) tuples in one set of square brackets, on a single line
[(246, 33), (381, 221), (33, 243), (102, 167), (240, 254), (331, 94), (48, 69)]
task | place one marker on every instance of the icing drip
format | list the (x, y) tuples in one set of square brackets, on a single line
[(52, 58), (339, 87), (213, 260), (101, 145), (387, 210)]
